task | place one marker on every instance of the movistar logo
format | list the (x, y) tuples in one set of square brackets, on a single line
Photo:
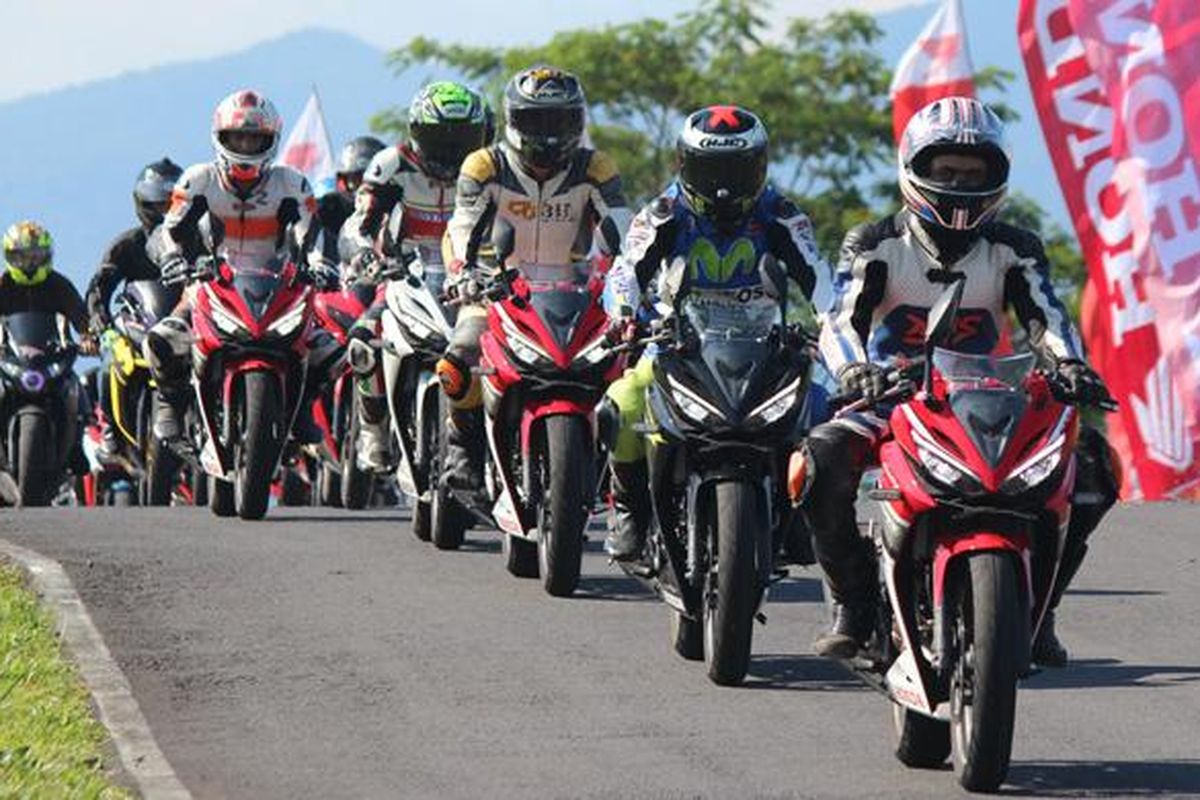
[(706, 264)]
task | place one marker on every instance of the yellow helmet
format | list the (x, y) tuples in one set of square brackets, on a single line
[(28, 250)]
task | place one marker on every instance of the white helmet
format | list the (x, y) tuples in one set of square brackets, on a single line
[(245, 134)]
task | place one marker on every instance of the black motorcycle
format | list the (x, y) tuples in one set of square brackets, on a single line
[(729, 392), (39, 403)]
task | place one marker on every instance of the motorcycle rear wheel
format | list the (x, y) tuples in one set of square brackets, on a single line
[(731, 591), (983, 688), (220, 497), (687, 637), (921, 742)]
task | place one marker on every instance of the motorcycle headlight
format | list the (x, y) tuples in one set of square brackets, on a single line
[(1036, 469), (940, 468), (778, 404), (523, 348), (287, 324), (13, 370), (594, 352), (690, 404), (225, 321)]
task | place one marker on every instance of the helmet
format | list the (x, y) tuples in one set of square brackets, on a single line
[(28, 250), (152, 191), (953, 126), (446, 121), (722, 154), (245, 134), (543, 116), (354, 159), (489, 123)]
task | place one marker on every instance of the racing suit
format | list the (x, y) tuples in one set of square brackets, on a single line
[(393, 179), (718, 258), (124, 260), (255, 221), (553, 222), (888, 276)]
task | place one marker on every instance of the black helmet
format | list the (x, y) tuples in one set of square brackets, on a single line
[(152, 191), (722, 162), (354, 159), (953, 126), (543, 116)]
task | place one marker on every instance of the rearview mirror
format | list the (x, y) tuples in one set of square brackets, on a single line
[(503, 240)]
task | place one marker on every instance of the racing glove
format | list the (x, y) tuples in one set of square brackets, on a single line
[(864, 379), (1080, 384), (175, 270)]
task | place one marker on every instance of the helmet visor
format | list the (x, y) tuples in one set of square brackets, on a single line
[(538, 123), (444, 146), (28, 259), (246, 143), (725, 178)]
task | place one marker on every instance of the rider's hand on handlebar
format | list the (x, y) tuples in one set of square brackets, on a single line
[(1079, 384), (88, 345), (175, 270), (323, 274), (364, 266), (863, 379)]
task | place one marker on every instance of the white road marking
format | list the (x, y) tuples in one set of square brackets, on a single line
[(143, 762)]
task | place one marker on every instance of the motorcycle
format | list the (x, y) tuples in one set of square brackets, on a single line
[(975, 492), (340, 481), (416, 327), (131, 390), (545, 363), (250, 321), (40, 401), (731, 382)]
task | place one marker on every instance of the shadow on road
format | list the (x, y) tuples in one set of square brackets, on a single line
[(339, 519), (800, 673), (1109, 672), (1104, 778), (797, 590), (474, 545), (620, 588), (1114, 592)]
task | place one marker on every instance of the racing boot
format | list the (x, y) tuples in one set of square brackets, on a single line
[(464, 451), (1048, 650), (168, 417), (854, 592), (373, 451), (631, 509)]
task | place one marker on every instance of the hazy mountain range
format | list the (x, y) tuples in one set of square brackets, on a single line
[(68, 157)]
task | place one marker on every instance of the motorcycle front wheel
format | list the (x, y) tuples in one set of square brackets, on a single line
[(257, 450), (565, 502), (35, 473), (731, 586)]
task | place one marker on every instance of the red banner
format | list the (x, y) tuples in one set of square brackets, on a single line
[(936, 65), (1115, 83)]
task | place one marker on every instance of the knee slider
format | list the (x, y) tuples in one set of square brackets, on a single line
[(454, 375), (608, 423)]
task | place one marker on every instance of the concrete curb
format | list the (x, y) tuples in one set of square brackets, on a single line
[(117, 709)]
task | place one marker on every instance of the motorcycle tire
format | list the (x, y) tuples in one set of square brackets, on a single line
[(356, 483), (294, 491), (329, 487), (35, 473), (447, 519), (687, 637), (220, 497), (520, 556), (921, 742), (259, 444), (199, 484), (987, 616), (566, 500), (731, 589)]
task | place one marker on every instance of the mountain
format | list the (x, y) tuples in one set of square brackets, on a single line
[(69, 157)]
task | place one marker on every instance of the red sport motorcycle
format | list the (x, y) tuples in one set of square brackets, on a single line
[(340, 480), (251, 322), (545, 365), (975, 490)]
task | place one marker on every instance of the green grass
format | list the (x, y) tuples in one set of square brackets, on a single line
[(50, 745)]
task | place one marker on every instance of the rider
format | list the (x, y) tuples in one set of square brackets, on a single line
[(721, 216), (446, 121), (334, 208), (30, 283), (953, 174), (256, 203), (553, 191), (126, 260)]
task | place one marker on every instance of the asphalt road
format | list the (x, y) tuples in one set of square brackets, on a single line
[(329, 654)]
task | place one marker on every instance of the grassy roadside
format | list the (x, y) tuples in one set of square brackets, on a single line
[(50, 745)]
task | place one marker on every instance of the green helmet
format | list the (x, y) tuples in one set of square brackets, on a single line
[(446, 121), (28, 250)]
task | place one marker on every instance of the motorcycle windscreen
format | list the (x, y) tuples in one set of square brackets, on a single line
[(560, 311), (734, 333), (987, 396), (31, 333)]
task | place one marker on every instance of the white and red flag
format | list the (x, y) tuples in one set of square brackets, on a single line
[(1115, 85), (937, 65), (308, 148)]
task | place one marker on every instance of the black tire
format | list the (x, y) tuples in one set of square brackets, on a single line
[(520, 556), (447, 518), (567, 488), (731, 591), (294, 491), (257, 449), (687, 637), (162, 466), (356, 482), (220, 497), (199, 484), (422, 527), (922, 742), (35, 472), (122, 498), (987, 619), (329, 493)]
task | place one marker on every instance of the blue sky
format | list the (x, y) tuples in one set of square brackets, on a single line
[(63, 42)]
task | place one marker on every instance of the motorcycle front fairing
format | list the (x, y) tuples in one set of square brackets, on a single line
[(37, 377), (984, 461)]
